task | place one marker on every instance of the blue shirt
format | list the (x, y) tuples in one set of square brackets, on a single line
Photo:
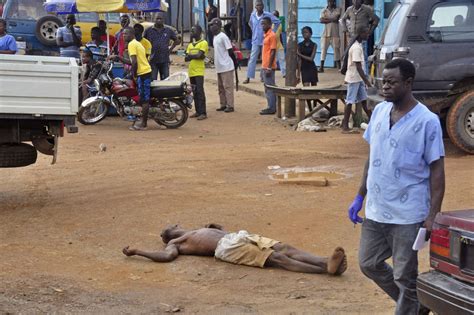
[(65, 33), (256, 26), (8, 42), (398, 188), (160, 41)]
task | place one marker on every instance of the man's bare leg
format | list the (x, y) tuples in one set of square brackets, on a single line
[(279, 260), (336, 264), (168, 254), (300, 255)]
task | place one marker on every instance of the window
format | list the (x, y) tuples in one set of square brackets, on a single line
[(26, 9), (452, 23), (394, 25)]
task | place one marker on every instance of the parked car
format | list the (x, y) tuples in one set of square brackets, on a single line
[(449, 287), (33, 28), (86, 21), (438, 37)]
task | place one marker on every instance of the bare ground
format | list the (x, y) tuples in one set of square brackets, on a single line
[(63, 226)]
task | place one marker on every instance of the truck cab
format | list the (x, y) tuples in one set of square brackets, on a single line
[(438, 37)]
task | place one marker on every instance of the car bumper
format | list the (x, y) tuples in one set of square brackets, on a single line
[(445, 295)]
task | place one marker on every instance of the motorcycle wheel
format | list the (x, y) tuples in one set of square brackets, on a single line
[(93, 113), (174, 119)]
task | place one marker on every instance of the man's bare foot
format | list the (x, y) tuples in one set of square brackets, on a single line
[(342, 267), (336, 260), (128, 252)]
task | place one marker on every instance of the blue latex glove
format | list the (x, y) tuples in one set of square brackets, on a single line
[(354, 209)]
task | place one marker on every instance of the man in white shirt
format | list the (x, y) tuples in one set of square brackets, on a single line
[(357, 81), (224, 62)]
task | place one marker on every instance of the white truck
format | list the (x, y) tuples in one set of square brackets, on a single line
[(38, 100)]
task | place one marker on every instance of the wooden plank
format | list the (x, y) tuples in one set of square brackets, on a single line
[(278, 113), (301, 109)]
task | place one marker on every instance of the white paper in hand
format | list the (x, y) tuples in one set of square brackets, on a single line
[(420, 242)]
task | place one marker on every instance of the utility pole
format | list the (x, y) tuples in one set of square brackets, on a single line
[(291, 47)]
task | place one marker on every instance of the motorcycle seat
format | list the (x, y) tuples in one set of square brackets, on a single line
[(164, 89)]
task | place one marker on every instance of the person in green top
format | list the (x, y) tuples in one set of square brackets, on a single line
[(195, 54)]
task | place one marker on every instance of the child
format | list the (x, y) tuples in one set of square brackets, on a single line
[(195, 54), (307, 71)]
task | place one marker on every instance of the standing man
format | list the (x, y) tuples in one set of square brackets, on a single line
[(195, 54), (120, 43), (68, 38), (280, 55), (269, 65), (160, 38), (225, 63), (102, 25), (404, 184), (97, 46), (141, 70), (211, 14), (360, 15), (7, 42), (257, 36), (330, 37), (356, 79)]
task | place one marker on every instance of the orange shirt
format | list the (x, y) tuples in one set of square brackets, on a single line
[(269, 43)]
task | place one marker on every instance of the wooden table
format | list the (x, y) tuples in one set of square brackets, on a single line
[(325, 97)]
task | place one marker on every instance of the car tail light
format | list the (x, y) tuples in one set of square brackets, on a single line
[(440, 241)]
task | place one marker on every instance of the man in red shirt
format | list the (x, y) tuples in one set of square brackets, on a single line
[(102, 25), (269, 64)]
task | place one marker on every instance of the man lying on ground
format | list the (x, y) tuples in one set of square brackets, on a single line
[(241, 248)]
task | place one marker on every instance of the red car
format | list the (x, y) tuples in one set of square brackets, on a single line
[(449, 287)]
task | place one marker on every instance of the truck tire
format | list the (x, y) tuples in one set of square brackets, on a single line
[(17, 155), (46, 29), (460, 122)]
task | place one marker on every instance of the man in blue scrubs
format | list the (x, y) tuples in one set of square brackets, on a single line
[(404, 184)]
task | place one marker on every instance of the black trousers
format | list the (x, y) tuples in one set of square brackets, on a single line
[(199, 95)]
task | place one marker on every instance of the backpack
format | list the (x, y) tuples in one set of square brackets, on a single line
[(345, 56)]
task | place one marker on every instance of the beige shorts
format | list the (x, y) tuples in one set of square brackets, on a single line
[(243, 248)]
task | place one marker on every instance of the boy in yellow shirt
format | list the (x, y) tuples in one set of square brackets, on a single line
[(141, 70), (195, 54), (138, 28)]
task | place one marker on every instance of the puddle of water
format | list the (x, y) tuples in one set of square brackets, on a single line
[(305, 173)]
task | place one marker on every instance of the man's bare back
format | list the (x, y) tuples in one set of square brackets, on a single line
[(205, 241)]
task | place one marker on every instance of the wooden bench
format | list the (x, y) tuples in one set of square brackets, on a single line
[(325, 97)]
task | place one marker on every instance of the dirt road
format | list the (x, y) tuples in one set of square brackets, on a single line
[(63, 226)]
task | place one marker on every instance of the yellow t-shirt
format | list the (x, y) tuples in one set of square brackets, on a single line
[(136, 49), (196, 66), (147, 45)]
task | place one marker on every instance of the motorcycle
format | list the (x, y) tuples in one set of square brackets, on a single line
[(170, 99)]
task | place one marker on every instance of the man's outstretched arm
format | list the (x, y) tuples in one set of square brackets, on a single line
[(168, 254)]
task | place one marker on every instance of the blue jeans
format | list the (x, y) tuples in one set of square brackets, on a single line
[(252, 64), (163, 68), (269, 79), (144, 89), (380, 241), (356, 93)]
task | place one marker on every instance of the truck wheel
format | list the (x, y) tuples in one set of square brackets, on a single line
[(17, 155), (460, 122), (46, 29)]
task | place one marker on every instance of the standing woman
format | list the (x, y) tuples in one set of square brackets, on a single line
[(307, 72), (7, 42)]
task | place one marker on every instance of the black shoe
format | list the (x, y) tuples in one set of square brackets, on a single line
[(202, 117), (267, 111), (228, 109), (195, 115), (221, 109), (246, 81)]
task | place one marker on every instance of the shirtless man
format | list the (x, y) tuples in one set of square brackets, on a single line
[(241, 248)]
